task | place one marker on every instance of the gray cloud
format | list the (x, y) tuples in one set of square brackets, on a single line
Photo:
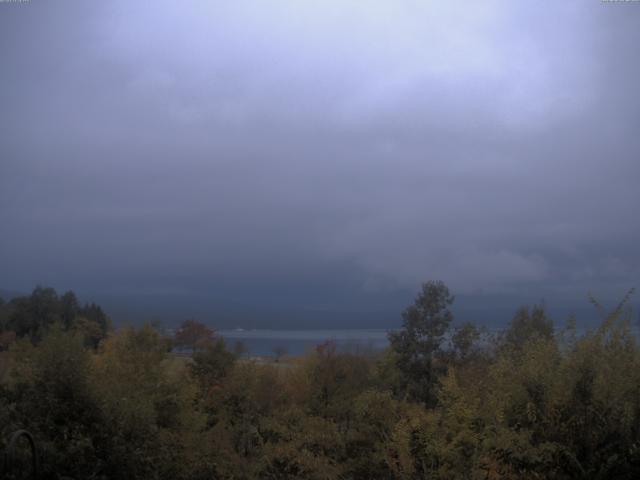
[(320, 154)]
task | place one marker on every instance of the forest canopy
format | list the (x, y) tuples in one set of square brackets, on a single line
[(445, 400)]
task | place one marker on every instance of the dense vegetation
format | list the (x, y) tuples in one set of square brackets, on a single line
[(440, 402)]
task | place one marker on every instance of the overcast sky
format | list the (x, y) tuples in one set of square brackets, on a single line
[(319, 159)]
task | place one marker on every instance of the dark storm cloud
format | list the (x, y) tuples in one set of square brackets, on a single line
[(316, 153)]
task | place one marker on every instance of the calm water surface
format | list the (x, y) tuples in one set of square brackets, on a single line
[(297, 342)]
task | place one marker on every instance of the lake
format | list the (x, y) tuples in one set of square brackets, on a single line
[(298, 342)]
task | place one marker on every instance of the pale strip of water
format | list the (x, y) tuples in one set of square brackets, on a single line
[(298, 342)]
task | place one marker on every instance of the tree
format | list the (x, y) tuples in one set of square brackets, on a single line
[(528, 324), (193, 334), (5, 315), (212, 363), (334, 380), (69, 309), (90, 330), (145, 399), (424, 325), (463, 341), (52, 398), (31, 316), (95, 314), (34, 314)]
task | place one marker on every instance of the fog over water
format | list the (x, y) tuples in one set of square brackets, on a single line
[(303, 165)]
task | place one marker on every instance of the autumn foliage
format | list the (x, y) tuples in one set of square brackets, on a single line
[(442, 402)]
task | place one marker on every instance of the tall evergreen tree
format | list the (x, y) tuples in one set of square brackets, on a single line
[(419, 341)]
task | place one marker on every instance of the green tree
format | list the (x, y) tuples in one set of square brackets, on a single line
[(33, 315), (4, 315), (90, 330), (211, 364), (50, 395), (69, 309), (464, 340), (94, 314), (417, 344), (146, 399), (335, 379), (527, 324)]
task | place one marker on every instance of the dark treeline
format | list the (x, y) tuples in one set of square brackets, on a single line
[(32, 316), (442, 402)]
